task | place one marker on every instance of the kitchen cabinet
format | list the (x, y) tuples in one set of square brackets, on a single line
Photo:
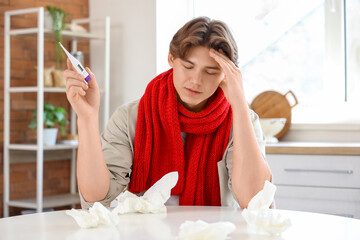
[(323, 178), (40, 32)]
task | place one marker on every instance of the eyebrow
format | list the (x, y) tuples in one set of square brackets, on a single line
[(208, 67)]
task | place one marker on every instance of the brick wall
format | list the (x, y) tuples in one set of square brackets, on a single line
[(23, 73)]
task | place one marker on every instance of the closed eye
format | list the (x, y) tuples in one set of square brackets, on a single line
[(212, 72), (188, 67)]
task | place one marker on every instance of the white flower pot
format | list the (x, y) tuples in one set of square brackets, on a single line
[(49, 136)]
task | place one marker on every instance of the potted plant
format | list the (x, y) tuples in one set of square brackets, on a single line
[(53, 117), (59, 19)]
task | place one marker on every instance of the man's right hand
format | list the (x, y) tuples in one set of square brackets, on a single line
[(83, 96)]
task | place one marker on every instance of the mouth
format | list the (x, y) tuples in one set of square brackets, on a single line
[(192, 91)]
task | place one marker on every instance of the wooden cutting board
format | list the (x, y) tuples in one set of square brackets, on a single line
[(271, 104)]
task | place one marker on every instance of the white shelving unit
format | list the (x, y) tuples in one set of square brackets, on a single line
[(41, 202)]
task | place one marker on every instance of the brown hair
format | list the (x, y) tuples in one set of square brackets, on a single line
[(202, 31)]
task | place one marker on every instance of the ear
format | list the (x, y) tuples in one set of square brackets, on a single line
[(171, 60)]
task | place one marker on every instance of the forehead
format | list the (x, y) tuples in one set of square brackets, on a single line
[(200, 55)]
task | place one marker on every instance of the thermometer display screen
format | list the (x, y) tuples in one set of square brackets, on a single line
[(80, 67)]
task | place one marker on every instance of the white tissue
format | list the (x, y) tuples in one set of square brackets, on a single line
[(83, 218), (264, 198), (105, 216), (201, 230), (260, 217), (153, 200), (97, 214)]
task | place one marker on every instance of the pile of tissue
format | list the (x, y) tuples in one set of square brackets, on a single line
[(98, 214), (262, 219), (153, 201)]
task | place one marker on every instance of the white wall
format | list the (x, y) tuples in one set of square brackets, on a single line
[(132, 47), (171, 15)]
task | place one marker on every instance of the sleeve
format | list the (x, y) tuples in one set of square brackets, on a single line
[(229, 151), (117, 150)]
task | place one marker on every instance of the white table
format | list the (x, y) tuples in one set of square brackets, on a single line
[(58, 225)]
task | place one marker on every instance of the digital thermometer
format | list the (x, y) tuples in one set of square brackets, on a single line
[(77, 65)]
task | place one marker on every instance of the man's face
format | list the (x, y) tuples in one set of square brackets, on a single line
[(196, 78)]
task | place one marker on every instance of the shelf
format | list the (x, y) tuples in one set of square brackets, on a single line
[(34, 147), (317, 148), (46, 89), (35, 152), (65, 34), (35, 89), (50, 201)]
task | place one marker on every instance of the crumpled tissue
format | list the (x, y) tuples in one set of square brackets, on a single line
[(201, 230), (258, 215), (153, 201), (97, 214)]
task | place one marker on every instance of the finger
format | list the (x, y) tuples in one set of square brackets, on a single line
[(74, 82), (69, 65), (225, 63), (74, 90), (92, 82), (74, 75), (72, 78), (222, 85), (222, 55)]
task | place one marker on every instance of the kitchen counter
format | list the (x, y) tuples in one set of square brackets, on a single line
[(314, 148)]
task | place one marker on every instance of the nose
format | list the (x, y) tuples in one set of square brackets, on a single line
[(196, 78)]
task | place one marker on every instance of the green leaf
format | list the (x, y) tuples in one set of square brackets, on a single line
[(49, 123), (49, 116), (63, 132), (33, 124), (49, 107), (63, 122), (59, 116), (60, 110)]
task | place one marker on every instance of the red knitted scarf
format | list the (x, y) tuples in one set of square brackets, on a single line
[(159, 148)]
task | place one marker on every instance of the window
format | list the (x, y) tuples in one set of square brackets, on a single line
[(311, 47), (353, 50)]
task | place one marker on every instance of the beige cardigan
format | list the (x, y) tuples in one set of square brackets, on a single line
[(117, 142)]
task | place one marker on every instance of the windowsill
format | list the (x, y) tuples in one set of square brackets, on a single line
[(325, 126), (315, 148)]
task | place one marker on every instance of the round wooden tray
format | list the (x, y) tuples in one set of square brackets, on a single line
[(271, 104)]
